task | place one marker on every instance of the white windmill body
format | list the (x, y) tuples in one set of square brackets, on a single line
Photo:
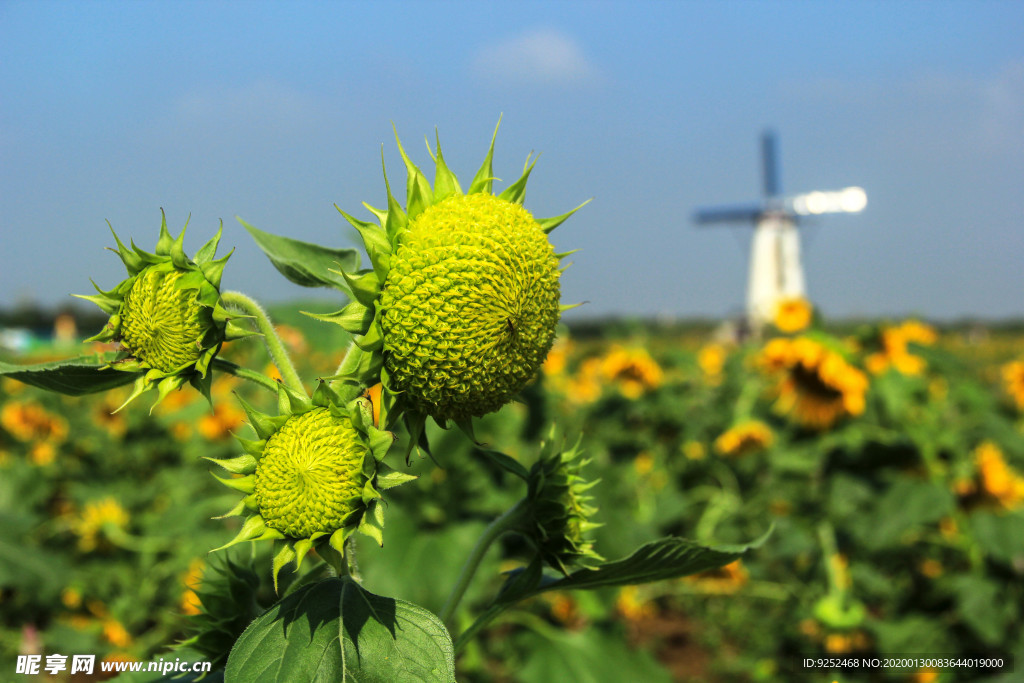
[(776, 271)]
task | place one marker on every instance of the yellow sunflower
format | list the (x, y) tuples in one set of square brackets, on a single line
[(726, 579), (751, 436), (793, 315), (711, 360), (894, 352), (998, 480), (632, 370), (815, 386), (1013, 379)]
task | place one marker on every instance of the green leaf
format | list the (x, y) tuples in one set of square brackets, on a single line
[(591, 657), (334, 631), (667, 558), (74, 376), (908, 505), (309, 265), (999, 535), (982, 607)]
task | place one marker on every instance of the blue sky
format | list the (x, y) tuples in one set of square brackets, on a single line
[(276, 111)]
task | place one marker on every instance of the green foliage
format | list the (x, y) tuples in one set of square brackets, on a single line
[(336, 631)]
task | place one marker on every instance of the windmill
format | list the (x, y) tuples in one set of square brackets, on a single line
[(776, 273)]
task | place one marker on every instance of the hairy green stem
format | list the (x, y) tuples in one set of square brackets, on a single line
[(506, 522), (270, 337), (332, 557)]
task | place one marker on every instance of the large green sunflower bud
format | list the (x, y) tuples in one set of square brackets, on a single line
[(470, 306), (167, 315), (559, 510), (313, 476), (459, 309)]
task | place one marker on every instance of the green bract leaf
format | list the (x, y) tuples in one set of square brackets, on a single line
[(334, 631), (74, 376), (309, 265)]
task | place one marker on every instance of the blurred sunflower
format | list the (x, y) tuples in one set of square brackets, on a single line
[(220, 423), (815, 386), (894, 352), (42, 453), (29, 421), (694, 450), (711, 360), (585, 385), (632, 606), (1013, 380), (190, 603), (97, 518), (632, 370), (116, 634), (727, 579), (997, 479), (793, 315), (747, 437), (555, 364)]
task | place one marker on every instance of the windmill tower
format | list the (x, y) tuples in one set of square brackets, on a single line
[(776, 272)]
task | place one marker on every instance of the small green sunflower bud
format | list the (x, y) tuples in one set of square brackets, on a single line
[(160, 323), (167, 315), (310, 478), (558, 523), (470, 306)]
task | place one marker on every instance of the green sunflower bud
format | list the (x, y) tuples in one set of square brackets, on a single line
[(313, 476), (230, 597), (470, 306), (167, 315), (310, 478), (558, 522), (459, 309), (160, 323)]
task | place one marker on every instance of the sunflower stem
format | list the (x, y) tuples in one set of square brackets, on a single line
[(270, 337), (332, 557), (506, 522)]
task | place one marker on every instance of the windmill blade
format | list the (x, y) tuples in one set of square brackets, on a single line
[(745, 213), (770, 164)]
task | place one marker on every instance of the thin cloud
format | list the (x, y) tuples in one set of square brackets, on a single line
[(544, 56)]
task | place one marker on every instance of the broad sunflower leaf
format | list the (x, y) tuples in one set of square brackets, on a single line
[(74, 376), (667, 558), (303, 263), (334, 631)]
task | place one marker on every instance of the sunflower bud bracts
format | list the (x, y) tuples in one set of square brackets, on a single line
[(559, 510), (167, 314), (313, 476)]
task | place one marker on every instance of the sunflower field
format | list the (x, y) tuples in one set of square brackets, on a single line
[(887, 459)]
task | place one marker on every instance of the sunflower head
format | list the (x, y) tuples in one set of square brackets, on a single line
[(313, 476), (814, 385), (459, 310), (751, 436), (167, 314), (1013, 381), (558, 515), (793, 315)]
